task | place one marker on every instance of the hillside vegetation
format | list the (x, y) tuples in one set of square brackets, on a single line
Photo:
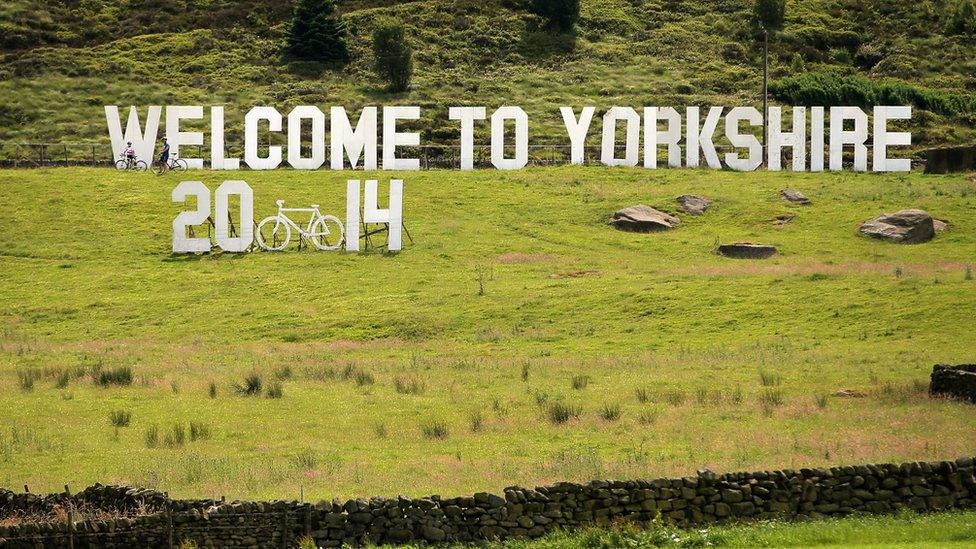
[(60, 64), (518, 339)]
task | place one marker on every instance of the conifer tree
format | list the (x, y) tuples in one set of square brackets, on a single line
[(316, 32)]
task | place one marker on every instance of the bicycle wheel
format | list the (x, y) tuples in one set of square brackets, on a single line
[(121, 165), (328, 233), (269, 234), (180, 164), (141, 166)]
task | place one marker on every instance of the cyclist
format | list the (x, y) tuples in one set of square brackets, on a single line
[(164, 157), (130, 154)]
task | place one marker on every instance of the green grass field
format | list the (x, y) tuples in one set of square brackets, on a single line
[(399, 376), (942, 530)]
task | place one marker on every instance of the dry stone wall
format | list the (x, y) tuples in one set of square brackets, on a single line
[(954, 381), (706, 498)]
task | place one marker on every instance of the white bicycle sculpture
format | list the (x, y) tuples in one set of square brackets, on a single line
[(325, 232)]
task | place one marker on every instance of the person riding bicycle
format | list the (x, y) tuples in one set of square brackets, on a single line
[(164, 157), (130, 153)]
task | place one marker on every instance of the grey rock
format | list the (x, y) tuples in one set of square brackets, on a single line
[(643, 219), (694, 204), (794, 196), (905, 227)]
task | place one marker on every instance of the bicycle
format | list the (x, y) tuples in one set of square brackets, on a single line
[(318, 232), (126, 163), (175, 164)]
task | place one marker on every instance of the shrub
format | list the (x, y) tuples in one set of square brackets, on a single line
[(275, 390), (392, 55), (769, 14), (963, 20), (199, 431), (560, 14), (120, 418), (610, 412), (252, 385), (317, 32), (560, 413), (834, 89), (434, 429), (580, 382), (121, 376)]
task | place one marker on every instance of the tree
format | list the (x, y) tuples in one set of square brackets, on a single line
[(770, 14), (316, 32), (393, 56), (963, 21), (561, 14)]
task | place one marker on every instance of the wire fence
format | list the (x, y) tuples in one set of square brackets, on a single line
[(51, 155)]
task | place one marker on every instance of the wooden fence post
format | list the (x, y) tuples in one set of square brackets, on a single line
[(169, 528), (71, 529)]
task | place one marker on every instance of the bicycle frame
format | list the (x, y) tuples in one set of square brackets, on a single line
[(311, 222)]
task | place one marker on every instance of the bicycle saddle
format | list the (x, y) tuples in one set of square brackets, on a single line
[(280, 203), (315, 206)]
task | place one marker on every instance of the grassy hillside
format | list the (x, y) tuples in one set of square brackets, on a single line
[(400, 374), (60, 65)]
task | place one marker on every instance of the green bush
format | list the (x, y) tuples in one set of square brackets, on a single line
[(834, 89), (392, 54), (560, 14), (963, 20), (316, 32)]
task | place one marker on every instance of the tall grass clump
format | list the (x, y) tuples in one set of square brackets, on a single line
[(580, 382), (199, 431), (560, 412), (674, 398), (770, 379), (610, 412), (434, 429), (275, 390), (175, 437), (152, 436), (212, 390), (251, 386), (26, 378), (643, 396), (120, 418), (121, 376), (408, 385), (476, 421)]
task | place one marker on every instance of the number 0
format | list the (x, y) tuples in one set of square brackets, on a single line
[(245, 230)]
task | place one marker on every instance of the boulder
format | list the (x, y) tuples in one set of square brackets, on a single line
[(794, 196), (747, 250), (643, 219), (954, 381), (906, 227), (694, 204)]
